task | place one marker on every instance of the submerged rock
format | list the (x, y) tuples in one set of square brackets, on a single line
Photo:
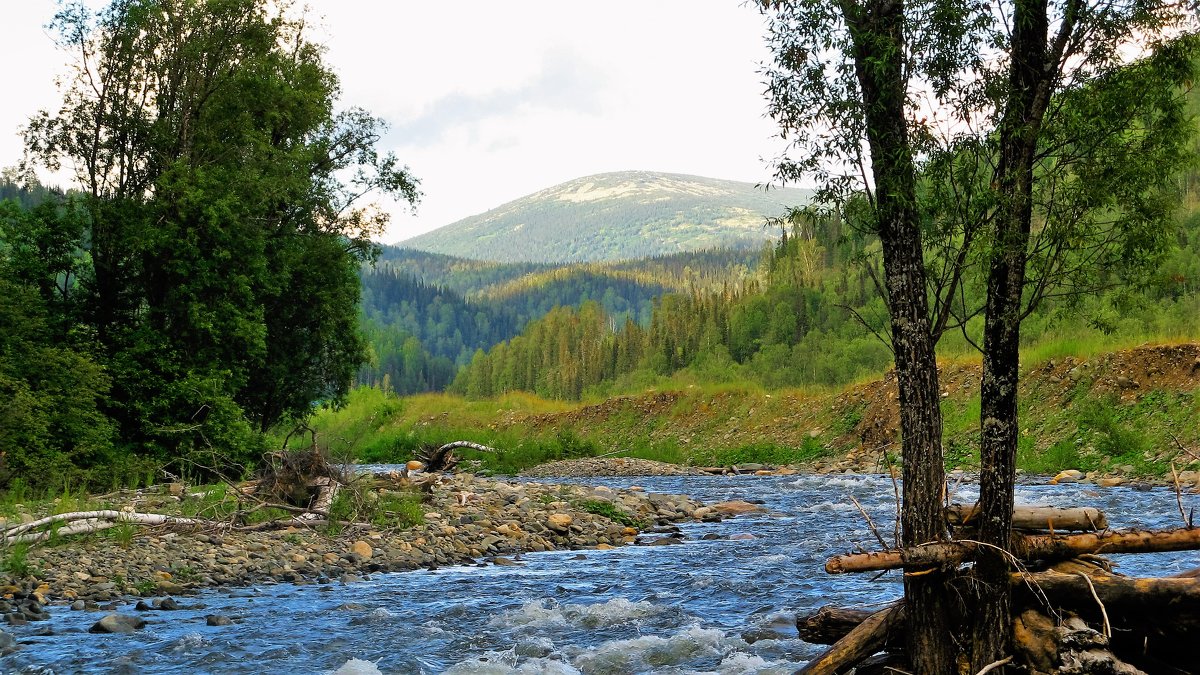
[(118, 623), (8, 644)]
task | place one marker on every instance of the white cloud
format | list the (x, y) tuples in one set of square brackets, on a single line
[(491, 101)]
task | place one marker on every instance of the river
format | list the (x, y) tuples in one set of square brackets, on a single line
[(715, 605)]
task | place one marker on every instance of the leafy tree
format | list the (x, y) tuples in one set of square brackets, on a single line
[(224, 213), (52, 427), (840, 92), (1029, 173)]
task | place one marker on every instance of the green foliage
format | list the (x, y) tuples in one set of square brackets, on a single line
[(209, 501), (1115, 437), (611, 511), (52, 430), (16, 562), (205, 285), (764, 453), (123, 534), (356, 503), (1063, 454), (398, 511)]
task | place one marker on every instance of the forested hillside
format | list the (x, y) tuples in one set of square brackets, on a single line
[(616, 216), (816, 318), (425, 315)]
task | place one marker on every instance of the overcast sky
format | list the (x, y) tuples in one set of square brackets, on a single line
[(489, 101)]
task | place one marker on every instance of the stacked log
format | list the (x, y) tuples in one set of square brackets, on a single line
[(1071, 612)]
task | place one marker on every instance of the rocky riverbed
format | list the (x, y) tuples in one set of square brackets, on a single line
[(610, 466), (467, 520)]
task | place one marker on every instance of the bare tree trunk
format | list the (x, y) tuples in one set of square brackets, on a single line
[(876, 29), (1002, 328)]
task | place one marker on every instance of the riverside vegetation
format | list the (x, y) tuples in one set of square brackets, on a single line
[(1132, 412)]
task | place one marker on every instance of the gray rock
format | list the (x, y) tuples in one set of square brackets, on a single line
[(217, 620), (8, 644), (117, 623), (78, 605), (166, 604)]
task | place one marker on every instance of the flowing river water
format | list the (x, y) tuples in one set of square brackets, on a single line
[(709, 605)]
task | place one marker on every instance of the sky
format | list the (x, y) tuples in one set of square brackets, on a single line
[(489, 101)]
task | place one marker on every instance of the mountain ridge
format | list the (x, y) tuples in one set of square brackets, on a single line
[(616, 216)]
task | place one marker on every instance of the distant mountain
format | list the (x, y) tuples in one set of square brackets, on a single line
[(616, 216)]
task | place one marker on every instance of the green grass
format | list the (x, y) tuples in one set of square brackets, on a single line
[(209, 501), (1062, 425), (765, 453), (610, 511), (16, 562), (123, 534), (398, 511)]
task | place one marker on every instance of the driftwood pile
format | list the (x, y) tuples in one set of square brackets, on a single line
[(1071, 612), (302, 482)]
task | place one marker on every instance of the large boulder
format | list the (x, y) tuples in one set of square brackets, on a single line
[(736, 507), (118, 623), (1068, 476)]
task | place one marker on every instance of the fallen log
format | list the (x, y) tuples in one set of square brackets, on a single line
[(79, 522), (1036, 517), (327, 490), (442, 458), (1153, 621), (924, 555), (861, 642), (1137, 599), (1025, 547), (830, 623), (1047, 547)]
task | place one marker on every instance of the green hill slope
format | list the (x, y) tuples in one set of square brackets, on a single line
[(614, 216)]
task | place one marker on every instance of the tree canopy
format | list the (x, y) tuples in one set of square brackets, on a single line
[(223, 217)]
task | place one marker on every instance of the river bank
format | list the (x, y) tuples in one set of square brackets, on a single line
[(1129, 414), (465, 520)]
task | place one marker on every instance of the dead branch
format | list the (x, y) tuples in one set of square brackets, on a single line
[(861, 642), (442, 458), (1025, 547), (1036, 517)]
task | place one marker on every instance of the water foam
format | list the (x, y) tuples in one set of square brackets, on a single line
[(502, 663), (742, 663), (546, 612), (650, 652), (358, 667)]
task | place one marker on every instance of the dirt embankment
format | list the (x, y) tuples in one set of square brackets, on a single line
[(859, 425)]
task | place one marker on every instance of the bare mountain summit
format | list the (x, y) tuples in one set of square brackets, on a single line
[(615, 216)]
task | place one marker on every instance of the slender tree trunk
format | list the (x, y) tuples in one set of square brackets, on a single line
[(876, 28), (1002, 328)]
